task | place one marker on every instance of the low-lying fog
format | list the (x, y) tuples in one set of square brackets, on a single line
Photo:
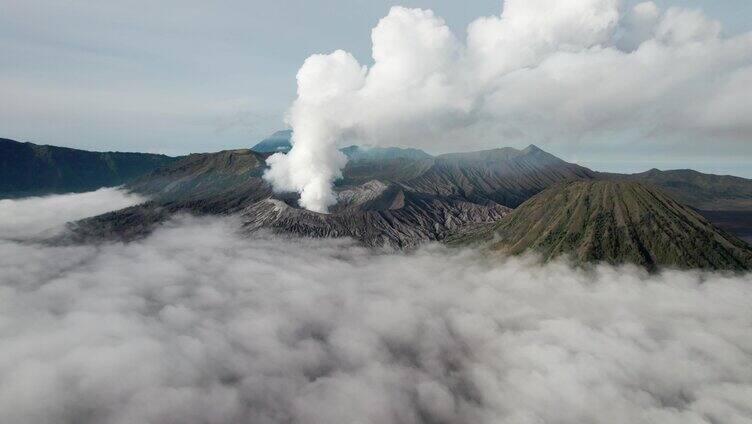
[(196, 324), (34, 217)]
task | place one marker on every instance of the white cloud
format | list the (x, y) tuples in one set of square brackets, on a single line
[(33, 217), (681, 26), (542, 69), (197, 324)]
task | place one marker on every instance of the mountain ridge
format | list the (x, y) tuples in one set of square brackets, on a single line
[(615, 222), (28, 169), (387, 196), (702, 191), (409, 198)]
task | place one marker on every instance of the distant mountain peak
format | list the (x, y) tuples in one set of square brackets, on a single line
[(531, 154), (282, 134), (376, 153), (277, 142), (280, 142)]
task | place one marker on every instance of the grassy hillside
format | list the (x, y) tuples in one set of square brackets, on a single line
[(614, 222)]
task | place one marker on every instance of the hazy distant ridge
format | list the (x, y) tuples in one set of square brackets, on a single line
[(28, 169)]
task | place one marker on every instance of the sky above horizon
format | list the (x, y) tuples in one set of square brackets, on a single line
[(191, 76)]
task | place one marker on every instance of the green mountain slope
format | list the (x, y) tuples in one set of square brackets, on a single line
[(614, 222), (28, 169)]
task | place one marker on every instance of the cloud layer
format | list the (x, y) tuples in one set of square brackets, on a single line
[(196, 324), (538, 71), (33, 217)]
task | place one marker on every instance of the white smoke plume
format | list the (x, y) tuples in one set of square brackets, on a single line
[(541, 69), (196, 324)]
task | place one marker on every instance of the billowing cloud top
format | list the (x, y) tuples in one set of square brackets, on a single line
[(542, 68)]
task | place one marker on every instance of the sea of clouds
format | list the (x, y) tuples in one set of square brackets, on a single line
[(35, 217), (197, 324)]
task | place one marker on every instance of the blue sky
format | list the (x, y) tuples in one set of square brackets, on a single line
[(186, 76)]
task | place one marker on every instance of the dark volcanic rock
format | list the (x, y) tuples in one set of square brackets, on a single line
[(407, 220), (374, 206)]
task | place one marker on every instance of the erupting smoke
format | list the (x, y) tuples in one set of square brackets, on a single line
[(541, 68)]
